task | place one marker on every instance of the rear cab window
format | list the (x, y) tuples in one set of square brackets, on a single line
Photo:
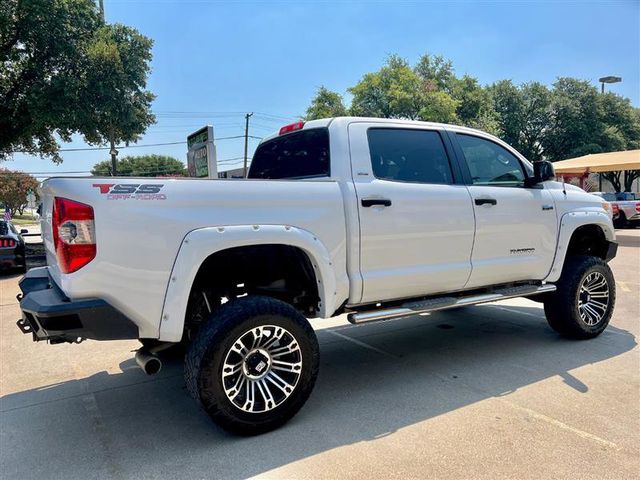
[(409, 155), (302, 154)]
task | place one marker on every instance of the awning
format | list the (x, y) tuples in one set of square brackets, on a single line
[(599, 162)]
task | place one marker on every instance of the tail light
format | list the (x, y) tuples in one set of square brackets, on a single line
[(292, 127), (638, 207), (615, 208), (7, 242), (73, 234)]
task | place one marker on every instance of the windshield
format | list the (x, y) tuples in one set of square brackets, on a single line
[(301, 154)]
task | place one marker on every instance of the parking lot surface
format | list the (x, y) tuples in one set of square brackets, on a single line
[(481, 392)]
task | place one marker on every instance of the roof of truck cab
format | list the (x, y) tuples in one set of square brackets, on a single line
[(325, 122)]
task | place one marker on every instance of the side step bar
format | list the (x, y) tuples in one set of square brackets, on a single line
[(442, 303)]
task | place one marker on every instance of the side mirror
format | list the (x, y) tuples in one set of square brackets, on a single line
[(23, 230), (543, 171)]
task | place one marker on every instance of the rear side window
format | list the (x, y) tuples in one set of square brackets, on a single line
[(490, 163), (4, 229), (409, 155), (302, 154)]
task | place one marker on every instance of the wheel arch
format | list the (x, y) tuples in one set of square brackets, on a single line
[(581, 233), (201, 245)]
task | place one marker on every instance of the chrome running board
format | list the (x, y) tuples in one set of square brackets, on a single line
[(443, 303)]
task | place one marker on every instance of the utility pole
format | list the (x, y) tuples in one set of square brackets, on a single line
[(114, 155), (246, 142), (102, 10)]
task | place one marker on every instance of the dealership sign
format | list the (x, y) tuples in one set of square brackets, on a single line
[(201, 154)]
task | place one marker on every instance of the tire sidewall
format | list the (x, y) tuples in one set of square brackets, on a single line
[(588, 266), (210, 386)]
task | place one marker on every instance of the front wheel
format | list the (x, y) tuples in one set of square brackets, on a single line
[(253, 364), (583, 303)]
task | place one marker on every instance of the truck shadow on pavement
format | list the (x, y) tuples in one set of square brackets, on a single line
[(374, 380)]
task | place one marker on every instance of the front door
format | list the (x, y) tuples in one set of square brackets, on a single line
[(416, 216), (515, 225)]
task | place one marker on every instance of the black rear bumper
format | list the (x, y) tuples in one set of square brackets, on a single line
[(48, 314)]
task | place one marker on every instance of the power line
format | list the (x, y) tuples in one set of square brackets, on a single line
[(222, 161), (85, 149)]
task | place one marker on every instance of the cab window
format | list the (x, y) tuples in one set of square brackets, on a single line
[(409, 155), (490, 163)]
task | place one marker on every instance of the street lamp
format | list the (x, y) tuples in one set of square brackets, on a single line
[(609, 79)]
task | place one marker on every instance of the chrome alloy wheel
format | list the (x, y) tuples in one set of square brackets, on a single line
[(593, 298), (262, 368)]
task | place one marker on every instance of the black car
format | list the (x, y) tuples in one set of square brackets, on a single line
[(12, 251)]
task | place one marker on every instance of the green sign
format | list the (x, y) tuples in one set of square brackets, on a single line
[(201, 136), (201, 153)]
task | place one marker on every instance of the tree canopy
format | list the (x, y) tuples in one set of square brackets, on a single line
[(63, 72), (568, 119), (14, 186), (326, 104), (142, 166)]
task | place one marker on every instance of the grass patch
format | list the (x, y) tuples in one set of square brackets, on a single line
[(26, 219)]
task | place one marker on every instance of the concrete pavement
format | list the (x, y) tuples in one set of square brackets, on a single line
[(482, 392)]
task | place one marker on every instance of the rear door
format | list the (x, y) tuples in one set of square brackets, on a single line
[(516, 225), (416, 216)]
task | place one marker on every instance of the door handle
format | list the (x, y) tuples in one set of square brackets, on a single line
[(483, 201), (370, 202)]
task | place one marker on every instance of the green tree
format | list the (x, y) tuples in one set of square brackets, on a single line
[(394, 91), (575, 126), (437, 71), (41, 47), (118, 108), (142, 166), (439, 107), (14, 186), (64, 71), (326, 104), (523, 115)]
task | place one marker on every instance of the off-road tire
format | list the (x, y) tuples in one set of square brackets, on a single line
[(561, 307), (206, 355)]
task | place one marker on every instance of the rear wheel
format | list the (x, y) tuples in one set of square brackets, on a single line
[(253, 364), (583, 304)]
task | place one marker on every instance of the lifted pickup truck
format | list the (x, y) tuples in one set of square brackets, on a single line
[(376, 218)]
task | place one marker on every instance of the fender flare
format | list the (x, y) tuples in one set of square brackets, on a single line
[(569, 223), (199, 244)]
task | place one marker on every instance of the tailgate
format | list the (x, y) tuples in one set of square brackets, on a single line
[(46, 196)]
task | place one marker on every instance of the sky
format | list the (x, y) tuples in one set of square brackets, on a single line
[(215, 60)]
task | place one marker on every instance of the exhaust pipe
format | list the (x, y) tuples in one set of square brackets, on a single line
[(148, 362)]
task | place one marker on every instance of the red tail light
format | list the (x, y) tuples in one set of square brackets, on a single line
[(7, 242), (615, 208), (73, 234), (638, 207), (292, 127)]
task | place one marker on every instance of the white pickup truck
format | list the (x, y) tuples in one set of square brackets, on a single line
[(375, 218)]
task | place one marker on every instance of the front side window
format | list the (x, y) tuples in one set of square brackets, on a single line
[(302, 154), (409, 155), (490, 163)]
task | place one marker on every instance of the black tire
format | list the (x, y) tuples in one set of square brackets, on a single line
[(225, 327), (562, 307)]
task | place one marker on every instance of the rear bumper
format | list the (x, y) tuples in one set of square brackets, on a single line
[(48, 314), (11, 259)]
